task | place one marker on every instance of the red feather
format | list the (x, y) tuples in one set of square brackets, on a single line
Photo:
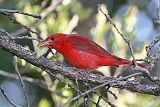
[(89, 46)]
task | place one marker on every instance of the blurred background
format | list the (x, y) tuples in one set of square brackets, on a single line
[(134, 18)]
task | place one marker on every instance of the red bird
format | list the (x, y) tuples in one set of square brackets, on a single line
[(82, 52)]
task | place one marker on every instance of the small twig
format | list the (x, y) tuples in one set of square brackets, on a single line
[(19, 12), (144, 60), (86, 97), (27, 37), (8, 99), (102, 97), (21, 81), (95, 103), (113, 94), (86, 100), (99, 99), (24, 26), (124, 37), (110, 92), (53, 55), (15, 21), (77, 85)]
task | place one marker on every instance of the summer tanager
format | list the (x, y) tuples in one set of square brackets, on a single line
[(82, 52)]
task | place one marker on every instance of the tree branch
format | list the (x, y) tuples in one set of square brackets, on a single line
[(21, 81), (45, 64)]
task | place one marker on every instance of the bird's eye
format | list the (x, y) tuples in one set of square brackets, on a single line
[(52, 38)]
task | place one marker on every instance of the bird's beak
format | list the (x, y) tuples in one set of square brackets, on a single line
[(43, 44)]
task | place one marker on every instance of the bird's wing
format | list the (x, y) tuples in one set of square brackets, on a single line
[(84, 44)]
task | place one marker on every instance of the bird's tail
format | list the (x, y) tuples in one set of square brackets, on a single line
[(119, 61), (128, 62)]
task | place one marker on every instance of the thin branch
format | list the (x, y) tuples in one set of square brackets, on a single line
[(86, 97), (24, 26), (7, 12), (113, 94), (27, 37), (19, 12), (77, 86), (124, 37), (21, 81), (99, 86), (99, 99), (86, 100), (15, 21), (7, 98)]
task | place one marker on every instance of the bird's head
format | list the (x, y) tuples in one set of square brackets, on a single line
[(53, 41)]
